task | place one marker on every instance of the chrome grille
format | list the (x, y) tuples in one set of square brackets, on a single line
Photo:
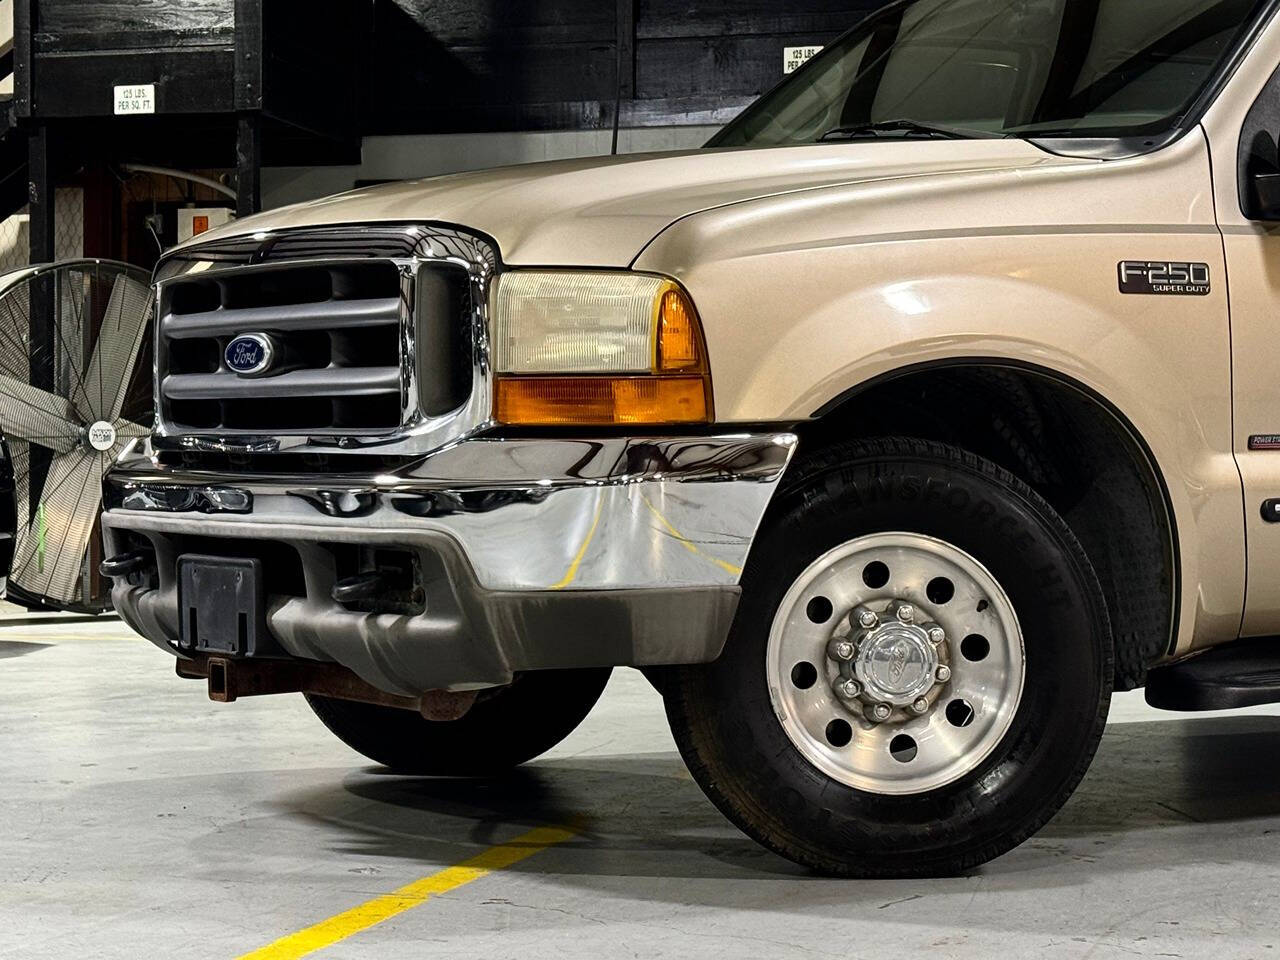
[(378, 340), (337, 329)]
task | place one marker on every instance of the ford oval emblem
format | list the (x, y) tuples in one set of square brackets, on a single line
[(250, 354)]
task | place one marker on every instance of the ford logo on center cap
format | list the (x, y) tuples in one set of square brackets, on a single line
[(250, 354)]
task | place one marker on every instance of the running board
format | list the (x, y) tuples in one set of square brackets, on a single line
[(1245, 673)]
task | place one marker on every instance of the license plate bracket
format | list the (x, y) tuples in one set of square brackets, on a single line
[(222, 606)]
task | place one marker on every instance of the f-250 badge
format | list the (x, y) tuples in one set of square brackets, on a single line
[(1164, 277)]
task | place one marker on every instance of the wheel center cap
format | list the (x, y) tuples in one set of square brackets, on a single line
[(102, 436), (896, 663)]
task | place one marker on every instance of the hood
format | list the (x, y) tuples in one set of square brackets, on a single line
[(603, 211)]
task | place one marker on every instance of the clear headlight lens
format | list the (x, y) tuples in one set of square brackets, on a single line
[(548, 322), (598, 347)]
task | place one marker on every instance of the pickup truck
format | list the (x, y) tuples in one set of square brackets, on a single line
[(889, 434)]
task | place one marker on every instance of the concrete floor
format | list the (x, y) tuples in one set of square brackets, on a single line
[(137, 819)]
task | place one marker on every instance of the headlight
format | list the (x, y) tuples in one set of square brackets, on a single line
[(582, 347)]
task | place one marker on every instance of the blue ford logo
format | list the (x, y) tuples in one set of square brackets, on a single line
[(250, 354)]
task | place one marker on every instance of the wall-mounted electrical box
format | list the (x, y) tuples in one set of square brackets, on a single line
[(193, 221)]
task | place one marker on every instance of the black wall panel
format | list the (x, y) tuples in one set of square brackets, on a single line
[(732, 49), (119, 24), (515, 64), (341, 68)]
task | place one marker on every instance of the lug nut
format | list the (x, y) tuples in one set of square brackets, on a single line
[(881, 711), (920, 706), (943, 673), (840, 650), (905, 612), (848, 689), (936, 634), (867, 619)]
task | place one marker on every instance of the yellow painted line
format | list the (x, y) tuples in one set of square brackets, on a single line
[(572, 572), (340, 927), (689, 544)]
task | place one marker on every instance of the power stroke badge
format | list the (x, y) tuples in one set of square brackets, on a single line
[(1163, 277)]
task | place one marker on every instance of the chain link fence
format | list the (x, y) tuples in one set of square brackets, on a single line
[(68, 226)]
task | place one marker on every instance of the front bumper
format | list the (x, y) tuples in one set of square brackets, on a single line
[(535, 553)]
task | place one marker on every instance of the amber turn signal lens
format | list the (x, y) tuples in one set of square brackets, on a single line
[(679, 340), (602, 400)]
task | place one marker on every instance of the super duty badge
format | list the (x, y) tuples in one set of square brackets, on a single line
[(1164, 277)]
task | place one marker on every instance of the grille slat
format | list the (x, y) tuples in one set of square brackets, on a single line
[(330, 315), (330, 382)]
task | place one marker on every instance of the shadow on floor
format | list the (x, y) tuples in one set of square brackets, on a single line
[(1173, 790), (57, 620), (1207, 770), (16, 648), (642, 811)]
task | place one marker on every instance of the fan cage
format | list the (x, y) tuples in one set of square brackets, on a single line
[(75, 351)]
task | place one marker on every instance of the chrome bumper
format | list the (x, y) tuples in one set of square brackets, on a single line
[(564, 552)]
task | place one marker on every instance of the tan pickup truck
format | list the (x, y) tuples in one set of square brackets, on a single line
[(932, 402)]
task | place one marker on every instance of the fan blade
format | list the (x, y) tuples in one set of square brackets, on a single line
[(110, 369), (35, 415), (128, 430), (52, 548)]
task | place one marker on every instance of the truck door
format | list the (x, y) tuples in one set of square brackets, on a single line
[(1242, 128)]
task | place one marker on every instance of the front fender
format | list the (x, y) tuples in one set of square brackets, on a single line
[(790, 331)]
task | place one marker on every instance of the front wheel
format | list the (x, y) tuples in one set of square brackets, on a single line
[(919, 672), (505, 727)]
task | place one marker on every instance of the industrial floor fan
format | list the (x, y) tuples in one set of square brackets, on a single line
[(75, 388)]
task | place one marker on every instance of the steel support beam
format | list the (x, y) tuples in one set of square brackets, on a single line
[(40, 343), (248, 165)]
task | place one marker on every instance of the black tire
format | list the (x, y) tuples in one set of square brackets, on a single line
[(505, 727), (736, 749)]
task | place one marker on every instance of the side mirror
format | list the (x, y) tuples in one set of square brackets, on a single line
[(1266, 195)]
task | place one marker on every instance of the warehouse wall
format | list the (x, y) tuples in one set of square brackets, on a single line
[(516, 82), (473, 65), (408, 157)]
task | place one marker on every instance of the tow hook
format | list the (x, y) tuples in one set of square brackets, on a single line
[(363, 586), (126, 564)]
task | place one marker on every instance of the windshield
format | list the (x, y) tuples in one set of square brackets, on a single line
[(1030, 68)]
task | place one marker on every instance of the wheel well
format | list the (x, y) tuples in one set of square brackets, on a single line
[(1068, 446)]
